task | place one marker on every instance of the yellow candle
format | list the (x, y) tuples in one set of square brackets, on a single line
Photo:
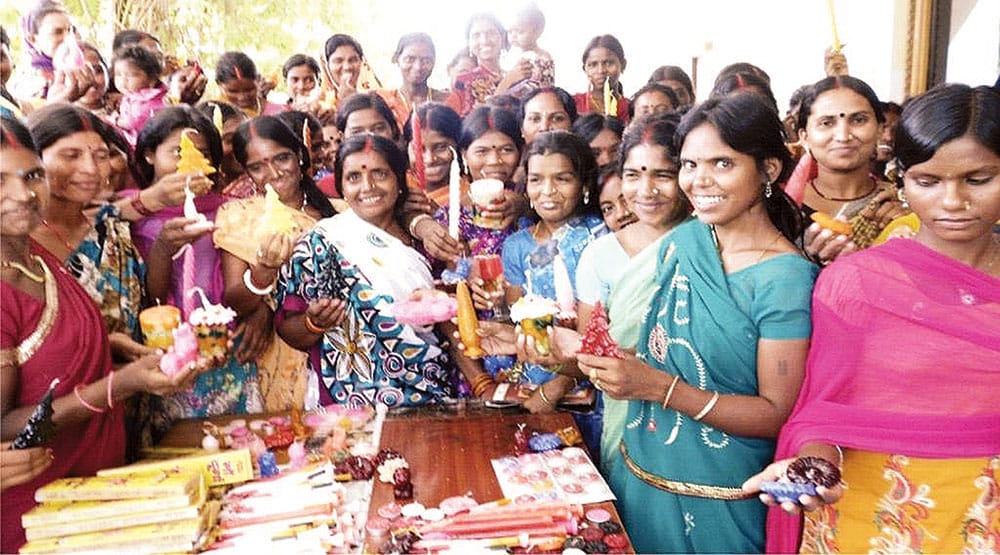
[(833, 26)]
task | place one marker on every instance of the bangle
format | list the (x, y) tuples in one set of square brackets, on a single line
[(413, 223), (670, 391), (500, 394), (541, 393), (111, 379), (481, 383), (708, 407), (248, 282), (88, 406), (312, 327), (139, 207)]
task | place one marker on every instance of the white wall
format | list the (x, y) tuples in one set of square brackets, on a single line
[(974, 49)]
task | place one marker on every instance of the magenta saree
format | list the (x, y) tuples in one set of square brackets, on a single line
[(903, 360), (63, 338)]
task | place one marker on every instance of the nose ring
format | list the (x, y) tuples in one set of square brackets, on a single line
[(968, 205)]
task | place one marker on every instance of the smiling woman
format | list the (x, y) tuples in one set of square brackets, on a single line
[(334, 292)]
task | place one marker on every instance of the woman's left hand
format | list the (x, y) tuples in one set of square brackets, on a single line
[(621, 378), (775, 472), (20, 466), (176, 233), (417, 202), (506, 210), (127, 348), (888, 208), (563, 346), (258, 331), (274, 251)]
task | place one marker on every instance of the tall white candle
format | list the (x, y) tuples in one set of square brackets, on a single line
[(454, 197)]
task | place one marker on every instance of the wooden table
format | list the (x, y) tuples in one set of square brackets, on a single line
[(449, 449)]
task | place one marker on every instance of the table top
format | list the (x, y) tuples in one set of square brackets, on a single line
[(449, 449)]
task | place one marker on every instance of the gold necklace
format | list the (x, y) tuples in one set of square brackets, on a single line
[(764, 250), (25, 270)]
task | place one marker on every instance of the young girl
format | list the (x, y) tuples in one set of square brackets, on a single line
[(614, 209), (301, 75), (233, 387), (237, 77), (603, 62), (137, 77), (232, 117)]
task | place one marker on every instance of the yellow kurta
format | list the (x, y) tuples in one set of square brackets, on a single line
[(894, 503)]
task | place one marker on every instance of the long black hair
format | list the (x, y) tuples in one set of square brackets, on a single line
[(273, 129), (748, 124)]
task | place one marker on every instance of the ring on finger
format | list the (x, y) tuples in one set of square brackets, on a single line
[(597, 384)]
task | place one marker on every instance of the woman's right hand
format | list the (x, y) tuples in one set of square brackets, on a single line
[(68, 85), (825, 245), (169, 189), (327, 313), (436, 240), (518, 73), (485, 298), (21, 466), (275, 250), (775, 472), (175, 234)]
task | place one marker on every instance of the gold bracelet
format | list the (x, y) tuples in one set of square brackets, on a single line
[(670, 391), (541, 393), (312, 327), (689, 489), (708, 407)]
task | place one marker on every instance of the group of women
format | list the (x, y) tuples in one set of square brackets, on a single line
[(750, 337)]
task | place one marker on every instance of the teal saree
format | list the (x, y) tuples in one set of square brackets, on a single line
[(678, 480)]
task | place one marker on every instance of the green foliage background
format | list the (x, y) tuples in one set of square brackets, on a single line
[(268, 30)]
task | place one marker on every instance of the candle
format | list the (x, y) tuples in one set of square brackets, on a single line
[(833, 26), (610, 103), (454, 197), (564, 287), (187, 278), (419, 168)]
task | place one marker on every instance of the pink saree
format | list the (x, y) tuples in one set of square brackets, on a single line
[(63, 338), (905, 359)]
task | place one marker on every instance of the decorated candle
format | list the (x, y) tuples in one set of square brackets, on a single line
[(833, 26), (157, 323), (564, 288), (610, 103)]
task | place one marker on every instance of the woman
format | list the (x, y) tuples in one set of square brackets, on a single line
[(603, 134), (677, 80), (490, 143), (45, 25), (333, 292), (95, 98), (96, 249), (232, 387), (614, 209), (741, 82), (301, 75), (272, 154), (51, 328), (840, 121), (343, 68), (367, 113), (603, 62), (440, 130), (652, 98), (562, 193), (722, 347), (918, 444), (487, 40), (415, 58), (546, 109), (238, 79), (233, 180), (615, 262)]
